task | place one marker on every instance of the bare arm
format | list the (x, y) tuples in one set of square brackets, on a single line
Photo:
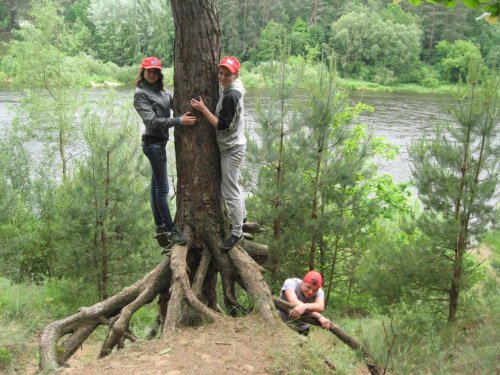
[(314, 309)]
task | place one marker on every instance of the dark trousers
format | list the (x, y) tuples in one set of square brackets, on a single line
[(157, 155), (304, 331)]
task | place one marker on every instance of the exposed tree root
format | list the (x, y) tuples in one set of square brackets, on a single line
[(115, 311), (254, 283), (181, 291)]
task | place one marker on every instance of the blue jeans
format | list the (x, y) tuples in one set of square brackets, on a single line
[(157, 156)]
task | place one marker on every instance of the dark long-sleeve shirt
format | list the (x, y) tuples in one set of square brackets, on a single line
[(231, 124), (154, 106)]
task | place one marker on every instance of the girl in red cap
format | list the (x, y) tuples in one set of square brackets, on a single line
[(228, 120), (308, 297), (153, 103)]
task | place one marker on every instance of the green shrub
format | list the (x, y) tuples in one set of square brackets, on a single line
[(455, 59), (430, 81), (34, 305), (6, 357), (17, 343), (143, 320), (492, 241), (421, 74), (383, 76)]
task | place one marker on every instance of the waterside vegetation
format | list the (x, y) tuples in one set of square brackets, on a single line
[(414, 278)]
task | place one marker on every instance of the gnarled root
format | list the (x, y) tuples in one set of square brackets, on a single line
[(115, 311), (184, 290)]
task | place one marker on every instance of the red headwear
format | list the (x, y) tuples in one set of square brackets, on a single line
[(232, 63), (151, 63), (313, 278)]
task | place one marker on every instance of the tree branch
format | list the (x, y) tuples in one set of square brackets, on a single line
[(337, 331)]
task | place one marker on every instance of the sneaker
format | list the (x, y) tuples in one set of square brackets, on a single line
[(232, 241), (176, 237), (160, 230), (162, 239)]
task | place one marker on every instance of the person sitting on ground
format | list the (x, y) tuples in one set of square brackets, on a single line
[(308, 298)]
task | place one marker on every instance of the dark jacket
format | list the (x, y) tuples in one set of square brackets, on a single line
[(155, 108), (231, 113)]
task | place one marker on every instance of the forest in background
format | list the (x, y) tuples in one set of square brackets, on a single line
[(377, 41), (75, 222)]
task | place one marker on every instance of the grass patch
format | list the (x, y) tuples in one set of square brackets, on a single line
[(5, 37), (412, 340), (142, 321), (492, 241), (26, 308), (358, 85)]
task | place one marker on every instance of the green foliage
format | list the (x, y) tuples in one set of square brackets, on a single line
[(271, 161), (70, 229), (299, 37), (413, 339), (142, 320), (52, 84), (126, 33), (393, 12), (273, 39), (424, 75), (490, 6), (104, 206), (488, 39), (455, 58), (16, 211), (34, 305), (99, 72), (5, 357), (4, 21), (46, 43), (380, 48), (78, 12), (312, 181), (25, 308), (457, 201), (492, 240)]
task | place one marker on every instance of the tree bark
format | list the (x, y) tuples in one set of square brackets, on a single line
[(80, 325), (186, 279), (186, 283)]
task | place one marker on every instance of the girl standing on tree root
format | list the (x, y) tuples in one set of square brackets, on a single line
[(154, 104), (228, 120)]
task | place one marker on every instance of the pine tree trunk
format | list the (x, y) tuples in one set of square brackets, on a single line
[(186, 279), (314, 212), (433, 28), (200, 208)]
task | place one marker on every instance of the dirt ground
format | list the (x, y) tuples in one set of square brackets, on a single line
[(237, 346)]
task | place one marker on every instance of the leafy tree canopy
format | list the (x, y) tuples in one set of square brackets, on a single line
[(491, 7)]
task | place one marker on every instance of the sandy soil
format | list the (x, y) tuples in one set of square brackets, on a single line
[(238, 346)]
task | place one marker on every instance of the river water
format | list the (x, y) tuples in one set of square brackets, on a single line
[(398, 117)]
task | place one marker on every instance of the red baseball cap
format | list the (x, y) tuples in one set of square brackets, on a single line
[(151, 63), (313, 278), (232, 63)]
